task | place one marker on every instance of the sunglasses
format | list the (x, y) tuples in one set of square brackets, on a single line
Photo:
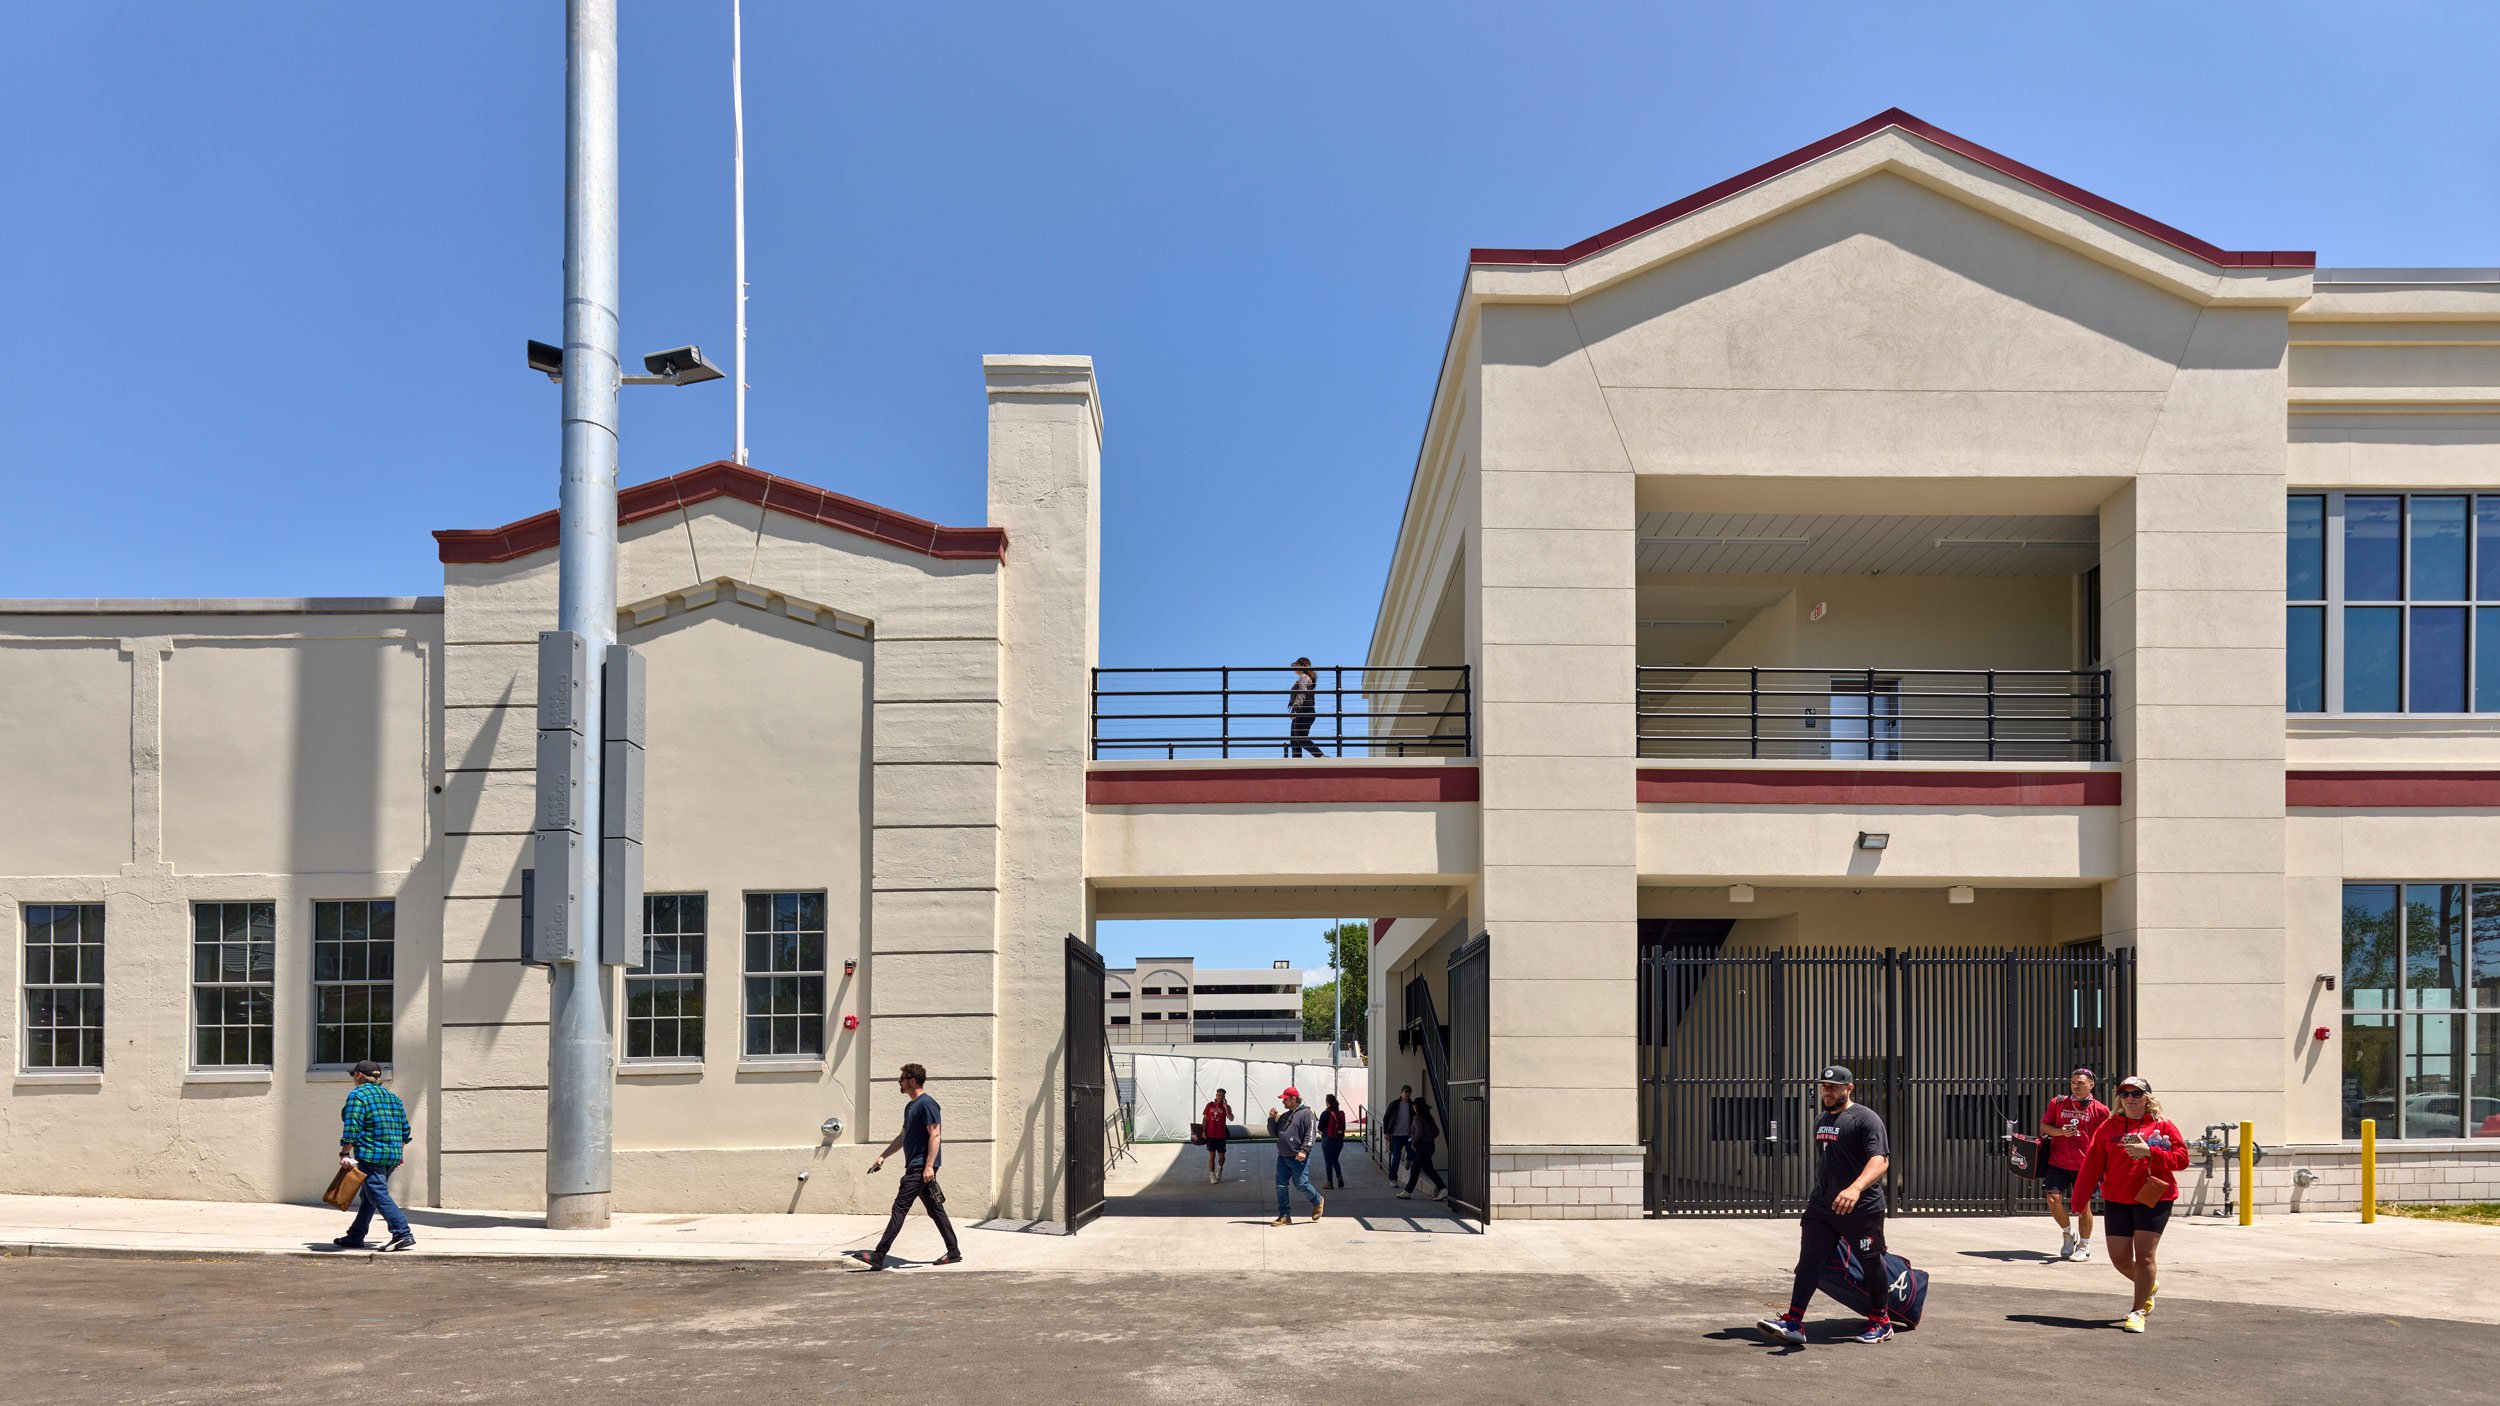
[(2131, 1093)]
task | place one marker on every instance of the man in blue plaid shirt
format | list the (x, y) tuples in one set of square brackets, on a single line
[(373, 1134)]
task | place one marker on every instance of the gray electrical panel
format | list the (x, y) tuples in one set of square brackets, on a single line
[(555, 932), (554, 923), (620, 808)]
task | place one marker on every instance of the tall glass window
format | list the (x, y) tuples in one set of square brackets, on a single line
[(64, 986), (234, 984), (2421, 983), (664, 990), (2392, 603), (354, 964), (785, 975)]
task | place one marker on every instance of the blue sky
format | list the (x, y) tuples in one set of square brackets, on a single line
[(267, 268)]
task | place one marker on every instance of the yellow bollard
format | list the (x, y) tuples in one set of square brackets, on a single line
[(2248, 1172), (2369, 1171)]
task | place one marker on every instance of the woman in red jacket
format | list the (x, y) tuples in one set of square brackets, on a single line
[(2134, 1147)]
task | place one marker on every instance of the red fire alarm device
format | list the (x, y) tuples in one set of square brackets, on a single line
[(850, 1022), (2320, 1034)]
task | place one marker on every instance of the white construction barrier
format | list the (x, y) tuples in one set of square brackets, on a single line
[(1228, 1075), (1167, 1099), (1171, 1090)]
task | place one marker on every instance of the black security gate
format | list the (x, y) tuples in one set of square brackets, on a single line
[(1467, 1112), (1087, 1066), (1953, 1048)]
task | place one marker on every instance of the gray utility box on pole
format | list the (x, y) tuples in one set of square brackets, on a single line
[(555, 923), (554, 928), (620, 809)]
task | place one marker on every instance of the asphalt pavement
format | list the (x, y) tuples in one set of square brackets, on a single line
[(405, 1329)]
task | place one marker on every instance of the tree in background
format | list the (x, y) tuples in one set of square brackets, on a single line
[(1352, 943)]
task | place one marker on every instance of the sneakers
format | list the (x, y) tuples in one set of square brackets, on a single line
[(2132, 1323), (865, 1259), (345, 1243), (401, 1242), (2066, 1244), (1320, 1209), (1406, 1195), (1281, 1220), (1784, 1331), (2152, 1294), (2083, 1250), (1877, 1330), (950, 1257)]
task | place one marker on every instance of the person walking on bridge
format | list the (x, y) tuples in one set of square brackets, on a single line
[(1302, 701), (1295, 1130)]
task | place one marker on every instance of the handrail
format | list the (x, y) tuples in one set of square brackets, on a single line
[(1232, 710), (1436, 1053), (1872, 714)]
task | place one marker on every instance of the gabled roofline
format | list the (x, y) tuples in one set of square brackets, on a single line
[(1894, 117), (724, 479)]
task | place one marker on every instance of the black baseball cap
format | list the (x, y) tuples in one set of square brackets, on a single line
[(368, 1068), (1838, 1074)]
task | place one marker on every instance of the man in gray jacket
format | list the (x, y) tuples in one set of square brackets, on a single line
[(1295, 1130)]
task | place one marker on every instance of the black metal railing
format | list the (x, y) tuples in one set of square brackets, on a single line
[(1874, 715), (1232, 710)]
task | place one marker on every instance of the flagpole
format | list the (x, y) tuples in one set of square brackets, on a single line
[(738, 183)]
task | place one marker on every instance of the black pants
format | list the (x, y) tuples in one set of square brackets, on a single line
[(915, 1188), (1332, 1148), (1862, 1230), (1302, 719), (1419, 1164)]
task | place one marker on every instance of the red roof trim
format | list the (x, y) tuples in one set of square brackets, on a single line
[(1894, 117), (1302, 785), (723, 479), (2391, 790), (1849, 787)]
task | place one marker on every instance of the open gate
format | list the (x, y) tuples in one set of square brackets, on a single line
[(1467, 1110), (1086, 1068), (1954, 1048)]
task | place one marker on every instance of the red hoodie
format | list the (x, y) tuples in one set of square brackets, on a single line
[(2107, 1166)]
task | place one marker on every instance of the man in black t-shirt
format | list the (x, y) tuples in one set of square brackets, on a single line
[(922, 1144), (1847, 1207)]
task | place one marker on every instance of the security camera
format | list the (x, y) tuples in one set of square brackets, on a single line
[(684, 365)]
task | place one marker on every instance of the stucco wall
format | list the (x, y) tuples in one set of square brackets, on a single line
[(271, 752)]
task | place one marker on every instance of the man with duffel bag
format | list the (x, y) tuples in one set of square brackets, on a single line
[(1844, 1220)]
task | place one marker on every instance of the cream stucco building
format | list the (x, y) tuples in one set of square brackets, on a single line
[(1890, 489)]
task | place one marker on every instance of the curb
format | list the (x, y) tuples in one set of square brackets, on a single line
[(49, 1249)]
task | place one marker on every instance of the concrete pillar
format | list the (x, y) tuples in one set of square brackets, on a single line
[(1045, 488), (2192, 588), (1552, 557)]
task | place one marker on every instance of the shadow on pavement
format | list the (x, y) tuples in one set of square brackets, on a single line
[(2013, 1256), (2050, 1320)]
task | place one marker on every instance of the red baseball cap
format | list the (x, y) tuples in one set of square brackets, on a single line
[(1290, 1092)]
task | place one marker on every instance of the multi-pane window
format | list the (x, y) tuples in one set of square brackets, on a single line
[(352, 967), (64, 986), (664, 989), (234, 974), (785, 975), (2393, 603), (2421, 985)]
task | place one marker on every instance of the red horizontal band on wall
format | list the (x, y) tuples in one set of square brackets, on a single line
[(2390, 790), (723, 479), (2110, 210), (1851, 787), (1380, 929), (1302, 785)]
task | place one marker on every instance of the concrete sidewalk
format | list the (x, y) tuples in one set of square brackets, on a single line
[(1164, 1218)]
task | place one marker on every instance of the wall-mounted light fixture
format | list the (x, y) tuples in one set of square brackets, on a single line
[(1874, 839), (2328, 978), (1740, 893), (1961, 893)]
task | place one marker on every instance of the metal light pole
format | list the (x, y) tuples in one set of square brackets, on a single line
[(738, 183), (580, 1060)]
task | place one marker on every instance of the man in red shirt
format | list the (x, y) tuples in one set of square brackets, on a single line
[(1215, 1124), (2066, 1131)]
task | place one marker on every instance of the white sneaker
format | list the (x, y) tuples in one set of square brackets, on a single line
[(2083, 1249), (2066, 1239), (1406, 1195)]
